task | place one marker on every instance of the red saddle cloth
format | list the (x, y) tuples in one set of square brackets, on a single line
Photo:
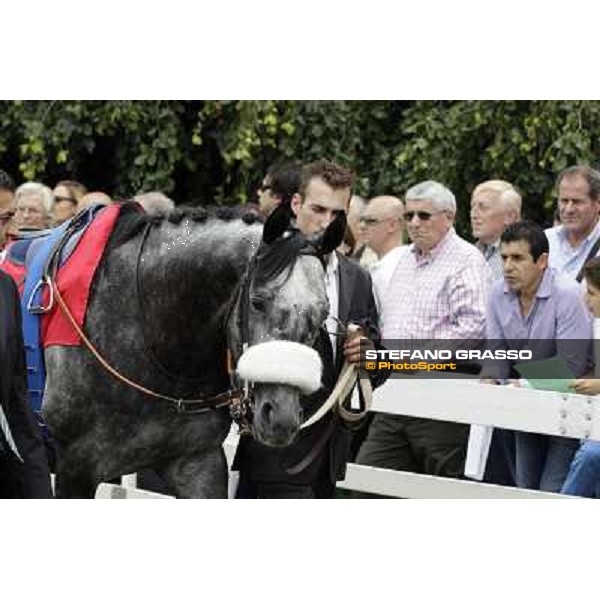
[(15, 270), (74, 281)]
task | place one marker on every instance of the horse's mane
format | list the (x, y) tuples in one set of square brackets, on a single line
[(274, 258), (132, 222), (271, 261), (200, 214)]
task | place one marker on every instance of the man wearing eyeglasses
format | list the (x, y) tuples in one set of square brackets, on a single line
[(67, 195), (7, 205), (382, 228), (437, 291)]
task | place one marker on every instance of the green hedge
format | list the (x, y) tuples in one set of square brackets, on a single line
[(217, 151)]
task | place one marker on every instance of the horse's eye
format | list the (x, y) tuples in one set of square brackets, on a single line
[(259, 303)]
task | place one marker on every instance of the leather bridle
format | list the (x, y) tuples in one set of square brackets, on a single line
[(242, 408)]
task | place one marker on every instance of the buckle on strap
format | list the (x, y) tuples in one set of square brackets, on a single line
[(39, 309)]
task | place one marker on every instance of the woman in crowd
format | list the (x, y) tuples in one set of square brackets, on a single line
[(67, 195)]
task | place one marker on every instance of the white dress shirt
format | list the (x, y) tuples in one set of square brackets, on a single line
[(381, 273), (564, 257), (332, 289)]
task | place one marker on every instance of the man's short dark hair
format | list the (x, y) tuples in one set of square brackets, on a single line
[(591, 271), (332, 174), (6, 181), (284, 180), (590, 175), (530, 232)]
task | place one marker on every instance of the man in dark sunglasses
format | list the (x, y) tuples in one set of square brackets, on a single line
[(278, 186), (437, 292)]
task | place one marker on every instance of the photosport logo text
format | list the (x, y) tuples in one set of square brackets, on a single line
[(429, 361)]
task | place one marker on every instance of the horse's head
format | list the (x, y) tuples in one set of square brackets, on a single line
[(280, 307)]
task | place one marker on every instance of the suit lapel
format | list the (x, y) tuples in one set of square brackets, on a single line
[(346, 278)]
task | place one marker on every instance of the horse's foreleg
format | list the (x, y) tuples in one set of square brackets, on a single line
[(73, 479), (198, 476), (73, 487)]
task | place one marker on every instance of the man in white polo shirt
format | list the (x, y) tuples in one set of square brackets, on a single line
[(382, 228)]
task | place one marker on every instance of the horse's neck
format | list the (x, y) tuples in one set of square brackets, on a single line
[(189, 276)]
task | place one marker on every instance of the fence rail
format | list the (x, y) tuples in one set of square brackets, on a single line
[(460, 401)]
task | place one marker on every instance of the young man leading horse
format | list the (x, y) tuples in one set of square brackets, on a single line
[(310, 467)]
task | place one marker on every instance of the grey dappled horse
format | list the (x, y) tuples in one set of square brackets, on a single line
[(164, 307)]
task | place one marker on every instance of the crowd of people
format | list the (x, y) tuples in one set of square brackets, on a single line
[(516, 282), (402, 272)]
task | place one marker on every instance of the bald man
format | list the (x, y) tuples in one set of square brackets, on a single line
[(362, 254), (382, 229)]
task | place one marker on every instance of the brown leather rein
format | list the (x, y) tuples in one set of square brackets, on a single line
[(236, 399)]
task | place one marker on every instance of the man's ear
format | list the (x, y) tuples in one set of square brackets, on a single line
[(296, 203), (542, 261), (510, 216)]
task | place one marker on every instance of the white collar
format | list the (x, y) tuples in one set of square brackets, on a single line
[(332, 264), (562, 233), (388, 257)]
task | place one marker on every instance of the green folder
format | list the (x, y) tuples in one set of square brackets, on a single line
[(552, 374)]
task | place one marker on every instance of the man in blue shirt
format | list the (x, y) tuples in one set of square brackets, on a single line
[(572, 242), (538, 308)]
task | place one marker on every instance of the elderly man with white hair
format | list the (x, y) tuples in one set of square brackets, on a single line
[(34, 203), (494, 205), (438, 291)]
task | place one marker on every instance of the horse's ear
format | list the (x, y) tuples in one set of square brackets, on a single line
[(334, 234), (277, 223)]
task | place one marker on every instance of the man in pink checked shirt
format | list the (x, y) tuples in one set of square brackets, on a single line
[(437, 291)]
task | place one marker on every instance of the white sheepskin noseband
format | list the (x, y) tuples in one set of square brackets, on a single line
[(288, 363)]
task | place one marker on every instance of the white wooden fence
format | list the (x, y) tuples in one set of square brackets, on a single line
[(461, 401)]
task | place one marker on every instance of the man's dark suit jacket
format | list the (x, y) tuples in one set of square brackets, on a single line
[(31, 478), (262, 464)]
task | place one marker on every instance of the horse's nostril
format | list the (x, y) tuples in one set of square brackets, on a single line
[(266, 411)]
